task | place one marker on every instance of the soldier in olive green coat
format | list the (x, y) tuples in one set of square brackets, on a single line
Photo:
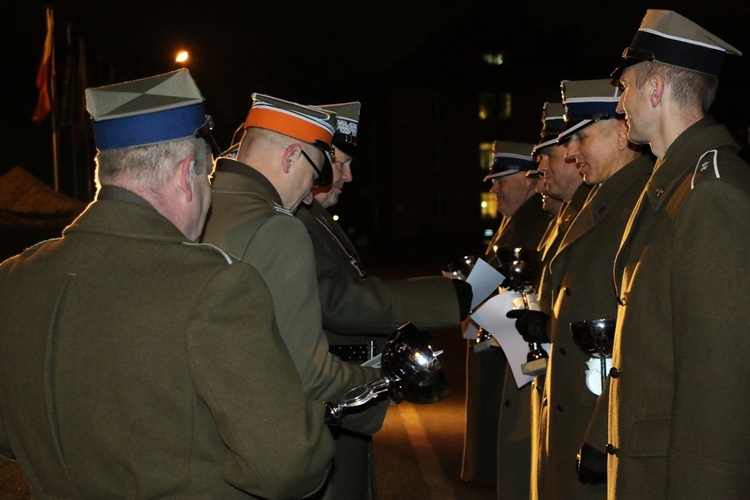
[(580, 280), (493, 456), (360, 312), (562, 181), (678, 425), (135, 362), (254, 199)]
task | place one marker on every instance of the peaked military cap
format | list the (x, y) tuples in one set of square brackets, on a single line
[(586, 102), (669, 38), (306, 123), (553, 122), (510, 158), (160, 108), (347, 121)]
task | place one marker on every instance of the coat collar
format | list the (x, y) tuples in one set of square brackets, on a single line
[(234, 176), (559, 225), (117, 211), (323, 217), (602, 200), (611, 190), (681, 157)]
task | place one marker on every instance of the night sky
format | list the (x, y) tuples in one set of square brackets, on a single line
[(326, 51)]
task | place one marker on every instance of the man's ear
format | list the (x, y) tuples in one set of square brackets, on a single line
[(291, 155), (185, 177), (656, 88)]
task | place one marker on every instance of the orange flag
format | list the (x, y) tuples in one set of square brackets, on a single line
[(46, 68)]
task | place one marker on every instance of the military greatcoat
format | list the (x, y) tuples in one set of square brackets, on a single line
[(354, 306), (134, 363), (248, 221), (486, 378), (547, 249), (678, 407), (357, 312), (580, 279)]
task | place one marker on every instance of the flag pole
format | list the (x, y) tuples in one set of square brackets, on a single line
[(45, 82), (53, 99)]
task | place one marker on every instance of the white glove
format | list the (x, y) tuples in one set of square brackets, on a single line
[(594, 374)]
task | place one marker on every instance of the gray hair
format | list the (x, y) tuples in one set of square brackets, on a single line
[(149, 167)]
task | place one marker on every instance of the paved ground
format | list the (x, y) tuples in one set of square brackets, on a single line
[(418, 451)]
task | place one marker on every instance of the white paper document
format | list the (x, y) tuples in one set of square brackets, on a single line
[(491, 317), (470, 330), (484, 280)]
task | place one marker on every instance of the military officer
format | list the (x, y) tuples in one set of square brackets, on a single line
[(488, 388), (136, 362), (361, 311), (562, 181), (579, 276), (678, 424), (560, 178), (283, 153)]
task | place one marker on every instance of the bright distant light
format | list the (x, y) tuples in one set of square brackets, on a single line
[(336, 217), (493, 59), (484, 204), (182, 56)]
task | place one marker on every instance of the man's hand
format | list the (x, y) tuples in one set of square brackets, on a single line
[(464, 294), (532, 325), (591, 465)]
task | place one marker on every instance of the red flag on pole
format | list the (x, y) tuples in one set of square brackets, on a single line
[(46, 69)]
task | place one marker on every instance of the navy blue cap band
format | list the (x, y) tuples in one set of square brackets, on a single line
[(151, 128), (591, 109), (513, 161)]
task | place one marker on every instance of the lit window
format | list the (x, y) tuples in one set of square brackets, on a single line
[(493, 59), (485, 155), (494, 105), (489, 206), (487, 105), (505, 107)]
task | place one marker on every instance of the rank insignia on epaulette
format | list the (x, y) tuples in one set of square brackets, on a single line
[(282, 210), (707, 162)]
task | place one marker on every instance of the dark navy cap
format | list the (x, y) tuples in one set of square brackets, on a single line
[(347, 122)]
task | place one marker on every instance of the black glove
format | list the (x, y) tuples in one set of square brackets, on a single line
[(532, 325), (591, 465), (464, 295), (514, 284)]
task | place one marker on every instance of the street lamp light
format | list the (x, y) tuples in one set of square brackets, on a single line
[(182, 57)]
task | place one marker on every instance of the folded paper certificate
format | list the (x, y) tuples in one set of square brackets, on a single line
[(491, 317), (484, 280)]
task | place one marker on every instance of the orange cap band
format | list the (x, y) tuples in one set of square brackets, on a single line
[(287, 124)]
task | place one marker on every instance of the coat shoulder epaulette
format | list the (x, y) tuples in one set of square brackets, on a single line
[(282, 210), (212, 248), (707, 167)]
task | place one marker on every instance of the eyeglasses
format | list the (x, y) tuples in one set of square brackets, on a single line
[(325, 173), (204, 132)]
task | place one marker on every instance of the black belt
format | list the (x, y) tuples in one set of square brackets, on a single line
[(353, 352)]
